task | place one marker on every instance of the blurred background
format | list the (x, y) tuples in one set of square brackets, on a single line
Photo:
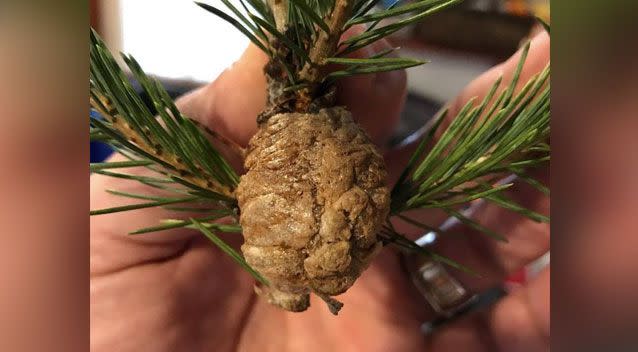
[(186, 47)]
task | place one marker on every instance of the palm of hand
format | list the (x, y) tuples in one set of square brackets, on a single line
[(199, 300)]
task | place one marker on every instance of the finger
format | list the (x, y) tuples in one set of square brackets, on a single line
[(230, 104), (518, 322), (523, 318)]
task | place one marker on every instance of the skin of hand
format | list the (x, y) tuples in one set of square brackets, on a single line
[(175, 291)]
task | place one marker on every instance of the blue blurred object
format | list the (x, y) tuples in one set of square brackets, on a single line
[(99, 151)]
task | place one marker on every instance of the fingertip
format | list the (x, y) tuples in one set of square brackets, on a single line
[(541, 38), (240, 94), (537, 58)]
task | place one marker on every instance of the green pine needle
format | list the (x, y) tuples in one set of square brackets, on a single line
[(475, 225), (373, 61), (368, 37), (402, 242), (246, 31), (228, 250), (367, 66), (512, 206), (141, 206), (534, 183), (119, 164), (418, 224), (396, 11), (143, 179), (315, 17), (138, 196), (171, 224)]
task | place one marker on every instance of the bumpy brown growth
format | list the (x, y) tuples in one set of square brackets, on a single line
[(312, 201)]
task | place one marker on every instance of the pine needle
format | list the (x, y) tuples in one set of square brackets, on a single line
[(119, 164), (229, 251), (141, 206), (402, 242)]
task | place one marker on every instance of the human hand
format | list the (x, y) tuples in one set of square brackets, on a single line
[(174, 291)]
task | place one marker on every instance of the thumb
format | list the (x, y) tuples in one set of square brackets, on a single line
[(230, 104)]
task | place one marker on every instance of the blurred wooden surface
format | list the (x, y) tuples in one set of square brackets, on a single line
[(489, 33)]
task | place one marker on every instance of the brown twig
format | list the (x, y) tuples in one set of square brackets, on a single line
[(326, 43), (280, 13)]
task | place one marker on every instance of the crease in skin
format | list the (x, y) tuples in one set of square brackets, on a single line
[(312, 200), (175, 255)]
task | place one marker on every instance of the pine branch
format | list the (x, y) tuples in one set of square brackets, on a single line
[(301, 37), (279, 9), (503, 133), (175, 149), (178, 146)]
